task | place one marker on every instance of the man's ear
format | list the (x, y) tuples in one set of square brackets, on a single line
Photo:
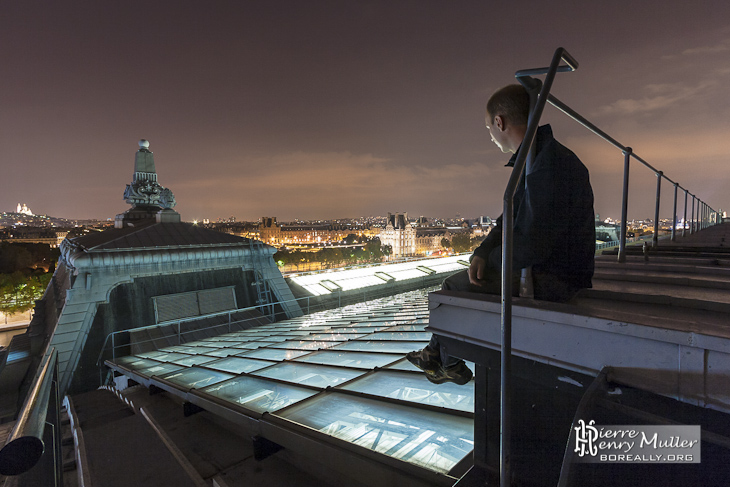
[(499, 122)]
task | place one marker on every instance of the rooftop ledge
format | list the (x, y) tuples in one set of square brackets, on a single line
[(688, 360)]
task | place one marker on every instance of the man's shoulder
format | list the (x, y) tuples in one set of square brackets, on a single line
[(551, 152)]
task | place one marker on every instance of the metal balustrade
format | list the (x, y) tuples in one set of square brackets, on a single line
[(702, 215)]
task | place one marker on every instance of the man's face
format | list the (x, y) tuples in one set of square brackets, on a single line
[(494, 132)]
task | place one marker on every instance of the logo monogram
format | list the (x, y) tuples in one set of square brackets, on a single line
[(585, 438)]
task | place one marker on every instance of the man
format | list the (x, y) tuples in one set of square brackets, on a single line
[(554, 227)]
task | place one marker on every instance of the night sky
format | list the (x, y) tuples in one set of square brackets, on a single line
[(337, 109)]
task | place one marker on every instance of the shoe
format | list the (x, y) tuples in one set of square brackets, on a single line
[(458, 374), (428, 360)]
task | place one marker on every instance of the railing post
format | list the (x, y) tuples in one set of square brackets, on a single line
[(624, 207), (114, 348), (674, 215), (179, 335), (697, 214), (701, 213), (655, 239), (684, 226), (692, 220)]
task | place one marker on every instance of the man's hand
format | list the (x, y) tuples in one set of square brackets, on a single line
[(476, 270)]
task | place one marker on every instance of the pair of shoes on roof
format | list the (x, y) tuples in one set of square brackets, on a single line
[(429, 361)]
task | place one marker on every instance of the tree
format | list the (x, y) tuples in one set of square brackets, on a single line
[(350, 239), (461, 242), (374, 249), (446, 243)]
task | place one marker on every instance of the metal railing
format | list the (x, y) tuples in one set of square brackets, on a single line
[(36, 435), (308, 304), (700, 218), (181, 323)]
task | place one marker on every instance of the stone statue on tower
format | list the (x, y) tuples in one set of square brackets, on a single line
[(149, 199)]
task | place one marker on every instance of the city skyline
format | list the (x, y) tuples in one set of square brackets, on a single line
[(330, 110)]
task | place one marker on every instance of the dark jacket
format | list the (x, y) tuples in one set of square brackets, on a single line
[(554, 223)]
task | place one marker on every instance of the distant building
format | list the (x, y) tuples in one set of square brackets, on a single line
[(34, 235), (269, 230), (273, 233), (400, 235), (24, 210), (428, 239)]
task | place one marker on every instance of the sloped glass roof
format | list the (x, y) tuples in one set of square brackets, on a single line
[(345, 280), (339, 372)]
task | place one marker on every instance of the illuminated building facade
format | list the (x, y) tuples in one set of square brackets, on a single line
[(400, 235), (24, 210)]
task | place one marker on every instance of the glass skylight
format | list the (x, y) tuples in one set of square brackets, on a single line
[(341, 372), (349, 279)]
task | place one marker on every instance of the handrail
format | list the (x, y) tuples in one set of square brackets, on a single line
[(507, 231), (113, 334), (24, 446), (704, 210)]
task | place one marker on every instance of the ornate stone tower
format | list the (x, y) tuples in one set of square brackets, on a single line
[(149, 200)]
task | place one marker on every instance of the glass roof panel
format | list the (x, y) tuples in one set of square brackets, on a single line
[(160, 369), (238, 365), (415, 388), (433, 440), (401, 335), (334, 337), (361, 329), (253, 332), (194, 360), (381, 346), (209, 344), (304, 345), (350, 359), (137, 363), (194, 350), (293, 333), (254, 345), (129, 359), (224, 352), (196, 378), (312, 375), (273, 354), (259, 395), (411, 327), (153, 354), (170, 356)]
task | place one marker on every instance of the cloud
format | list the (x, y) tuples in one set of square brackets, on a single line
[(722, 46), (331, 185), (658, 96)]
